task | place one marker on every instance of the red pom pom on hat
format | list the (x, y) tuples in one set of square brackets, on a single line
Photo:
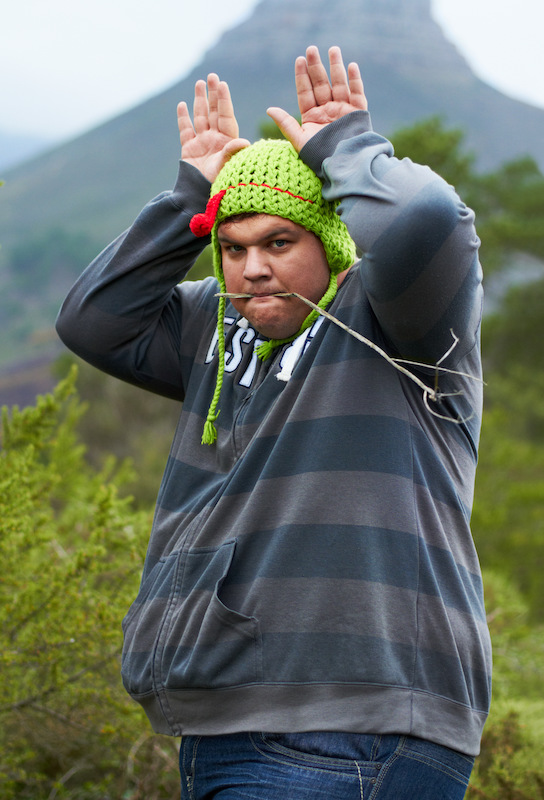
[(202, 224)]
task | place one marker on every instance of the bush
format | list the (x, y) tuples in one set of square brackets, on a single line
[(509, 766), (72, 552)]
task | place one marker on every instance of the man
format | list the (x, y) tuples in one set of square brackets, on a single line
[(310, 618)]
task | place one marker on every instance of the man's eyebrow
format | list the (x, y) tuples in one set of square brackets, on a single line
[(224, 238)]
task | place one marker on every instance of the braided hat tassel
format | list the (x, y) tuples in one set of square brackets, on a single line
[(209, 436)]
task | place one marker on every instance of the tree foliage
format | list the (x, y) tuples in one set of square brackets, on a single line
[(71, 551), (508, 518), (509, 203), (509, 766), (127, 423), (430, 142)]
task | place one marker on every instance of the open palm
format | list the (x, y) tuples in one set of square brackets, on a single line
[(208, 141), (320, 100)]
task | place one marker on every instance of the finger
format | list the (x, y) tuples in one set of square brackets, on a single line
[(213, 100), (200, 108), (226, 119), (356, 87), (185, 126), (305, 90), (339, 79), (318, 76)]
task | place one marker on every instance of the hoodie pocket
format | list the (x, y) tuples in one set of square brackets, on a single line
[(180, 634)]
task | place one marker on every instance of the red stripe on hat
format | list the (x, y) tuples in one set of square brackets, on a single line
[(202, 224)]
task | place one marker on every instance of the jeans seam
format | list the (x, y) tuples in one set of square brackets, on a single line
[(376, 749), (437, 765), (190, 778), (382, 773)]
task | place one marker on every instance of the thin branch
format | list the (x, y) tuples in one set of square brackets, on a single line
[(428, 393), (60, 783), (131, 758)]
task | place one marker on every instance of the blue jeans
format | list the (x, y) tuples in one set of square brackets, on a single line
[(320, 766)]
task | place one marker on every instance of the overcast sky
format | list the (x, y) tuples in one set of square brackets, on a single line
[(68, 65)]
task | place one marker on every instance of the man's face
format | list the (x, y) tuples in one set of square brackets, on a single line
[(262, 255)]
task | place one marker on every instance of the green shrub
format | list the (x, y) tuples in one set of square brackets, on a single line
[(510, 764), (71, 550)]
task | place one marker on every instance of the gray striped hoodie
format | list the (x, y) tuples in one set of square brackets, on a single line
[(315, 569)]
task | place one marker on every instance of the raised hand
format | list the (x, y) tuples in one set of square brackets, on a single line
[(320, 100), (211, 138)]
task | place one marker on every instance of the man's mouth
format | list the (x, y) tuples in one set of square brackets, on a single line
[(244, 296)]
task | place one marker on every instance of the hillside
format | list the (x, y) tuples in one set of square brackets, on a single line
[(16, 148), (60, 208)]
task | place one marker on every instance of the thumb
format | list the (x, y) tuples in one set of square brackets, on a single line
[(233, 147), (225, 154), (289, 126)]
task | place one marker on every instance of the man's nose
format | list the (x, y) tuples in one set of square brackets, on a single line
[(256, 264)]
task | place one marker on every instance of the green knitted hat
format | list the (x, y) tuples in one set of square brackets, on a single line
[(269, 178)]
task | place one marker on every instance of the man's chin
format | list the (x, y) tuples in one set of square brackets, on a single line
[(271, 329)]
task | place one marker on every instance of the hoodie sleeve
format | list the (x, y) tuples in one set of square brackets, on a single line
[(126, 312), (420, 265)]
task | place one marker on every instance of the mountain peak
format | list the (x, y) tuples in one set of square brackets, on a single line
[(399, 35)]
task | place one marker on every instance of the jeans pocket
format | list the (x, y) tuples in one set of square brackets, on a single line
[(441, 759), (424, 770), (325, 750)]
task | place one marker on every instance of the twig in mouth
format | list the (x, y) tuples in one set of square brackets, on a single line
[(428, 393)]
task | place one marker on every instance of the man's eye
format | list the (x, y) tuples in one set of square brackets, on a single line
[(279, 243)]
